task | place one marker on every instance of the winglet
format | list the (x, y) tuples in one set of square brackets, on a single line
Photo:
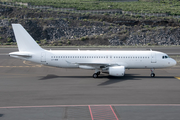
[(24, 40)]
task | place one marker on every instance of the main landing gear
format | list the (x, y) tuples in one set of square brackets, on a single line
[(152, 73), (96, 74)]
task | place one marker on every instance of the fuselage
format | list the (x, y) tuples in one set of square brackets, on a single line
[(129, 59)]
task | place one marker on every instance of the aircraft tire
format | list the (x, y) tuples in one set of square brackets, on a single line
[(95, 75), (152, 75)]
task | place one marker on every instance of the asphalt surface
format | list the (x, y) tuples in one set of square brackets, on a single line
[(34, 92)]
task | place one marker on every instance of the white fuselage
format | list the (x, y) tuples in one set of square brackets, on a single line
[(129, 59)]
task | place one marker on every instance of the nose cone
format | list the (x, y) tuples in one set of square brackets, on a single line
[(173, 62)]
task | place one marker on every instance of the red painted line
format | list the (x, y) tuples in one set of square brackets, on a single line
[(114, 112), (103, 112), (90, 112)]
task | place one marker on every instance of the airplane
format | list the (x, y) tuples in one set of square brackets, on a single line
[(112, 62)]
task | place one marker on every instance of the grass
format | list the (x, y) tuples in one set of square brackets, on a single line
[(171, 7)]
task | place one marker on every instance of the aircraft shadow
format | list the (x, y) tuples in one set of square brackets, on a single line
[(51, 76), (111, 79), (1, 115)]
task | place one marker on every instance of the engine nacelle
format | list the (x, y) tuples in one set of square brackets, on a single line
[(117, 70)]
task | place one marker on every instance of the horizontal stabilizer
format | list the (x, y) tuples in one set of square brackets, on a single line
[(20, 54)]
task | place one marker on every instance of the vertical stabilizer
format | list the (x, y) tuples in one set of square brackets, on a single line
[(24, 40)]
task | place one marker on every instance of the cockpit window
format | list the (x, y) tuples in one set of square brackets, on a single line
[(165, 57)]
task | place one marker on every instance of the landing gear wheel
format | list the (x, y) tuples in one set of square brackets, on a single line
[(152, 75), (95, 75)]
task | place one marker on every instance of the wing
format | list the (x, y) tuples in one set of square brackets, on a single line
[(93, 65)]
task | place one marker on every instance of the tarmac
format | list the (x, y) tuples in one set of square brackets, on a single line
[(34, 92)]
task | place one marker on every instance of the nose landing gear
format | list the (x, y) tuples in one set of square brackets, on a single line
[(152, 73)]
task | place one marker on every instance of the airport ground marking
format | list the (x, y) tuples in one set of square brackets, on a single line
[(102, 112), (177, 78), (119, 105), (25, 62), (17, 66), (90, 112), (114, 113)]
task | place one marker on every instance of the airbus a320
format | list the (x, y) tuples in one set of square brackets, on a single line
[(112, 62)]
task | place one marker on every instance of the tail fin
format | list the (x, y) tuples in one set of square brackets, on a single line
[(24, 41)]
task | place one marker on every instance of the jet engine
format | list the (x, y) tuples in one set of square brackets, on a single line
[(117, 70)]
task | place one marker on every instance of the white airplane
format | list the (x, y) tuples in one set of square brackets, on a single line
[(113, 62)]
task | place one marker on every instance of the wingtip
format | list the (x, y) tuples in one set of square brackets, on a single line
[(13, 24)]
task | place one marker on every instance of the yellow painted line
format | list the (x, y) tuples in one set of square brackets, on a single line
[(18, 66), (178, 78)]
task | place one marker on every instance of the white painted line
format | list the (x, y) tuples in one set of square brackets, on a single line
[(47, 106)]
